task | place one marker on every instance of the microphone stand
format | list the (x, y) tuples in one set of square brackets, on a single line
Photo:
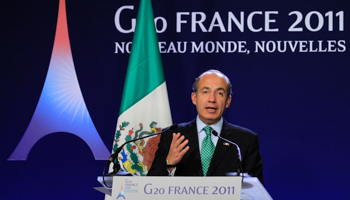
[(116, 165), (239, 161)]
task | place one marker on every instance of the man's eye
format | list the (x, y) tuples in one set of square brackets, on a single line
[(205, 92)]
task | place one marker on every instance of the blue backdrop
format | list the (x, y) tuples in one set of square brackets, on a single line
[(290, 85)]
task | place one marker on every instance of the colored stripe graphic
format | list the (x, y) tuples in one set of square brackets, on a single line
[(61, 107)]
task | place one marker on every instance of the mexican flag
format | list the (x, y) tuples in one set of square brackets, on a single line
[(144, 107)]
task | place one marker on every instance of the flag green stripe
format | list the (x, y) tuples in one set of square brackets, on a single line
[(145, 70)]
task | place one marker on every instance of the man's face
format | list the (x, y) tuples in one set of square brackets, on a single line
[(212, 98)]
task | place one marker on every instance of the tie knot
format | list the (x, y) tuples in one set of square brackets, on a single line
[(207, 130)]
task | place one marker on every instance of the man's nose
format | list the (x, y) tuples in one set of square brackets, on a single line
[(212, 97)]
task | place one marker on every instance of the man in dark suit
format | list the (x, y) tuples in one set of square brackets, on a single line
[(191, 149)]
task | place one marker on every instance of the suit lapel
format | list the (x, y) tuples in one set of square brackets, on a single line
[(193, 153), (220, 150)]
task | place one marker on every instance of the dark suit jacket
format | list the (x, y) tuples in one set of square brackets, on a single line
[(224, 159)]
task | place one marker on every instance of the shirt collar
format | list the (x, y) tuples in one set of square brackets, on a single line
[(217, 127)]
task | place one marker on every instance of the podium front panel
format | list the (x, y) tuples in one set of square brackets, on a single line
[(175, 188)]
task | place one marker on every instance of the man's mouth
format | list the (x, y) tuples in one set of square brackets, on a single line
[(209, 108)]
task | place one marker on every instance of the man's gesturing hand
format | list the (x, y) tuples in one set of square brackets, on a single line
[(177, 149)]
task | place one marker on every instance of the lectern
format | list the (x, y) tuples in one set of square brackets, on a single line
[(182, 188)]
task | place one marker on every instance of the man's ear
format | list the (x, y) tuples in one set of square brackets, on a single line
[(228, 101), (194, 98)]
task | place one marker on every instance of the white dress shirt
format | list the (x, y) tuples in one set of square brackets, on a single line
[(201, 133)]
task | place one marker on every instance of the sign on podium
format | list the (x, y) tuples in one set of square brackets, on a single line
[(175, 188)]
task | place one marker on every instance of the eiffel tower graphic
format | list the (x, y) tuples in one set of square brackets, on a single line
[(61, 107)]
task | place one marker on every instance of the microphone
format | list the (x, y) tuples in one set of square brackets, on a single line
[(239, 163), (116, 153), (116, 166)]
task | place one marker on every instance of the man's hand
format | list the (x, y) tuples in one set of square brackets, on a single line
[(177, 149)]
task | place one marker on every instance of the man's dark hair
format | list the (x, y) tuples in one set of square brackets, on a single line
[(213, 71)]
